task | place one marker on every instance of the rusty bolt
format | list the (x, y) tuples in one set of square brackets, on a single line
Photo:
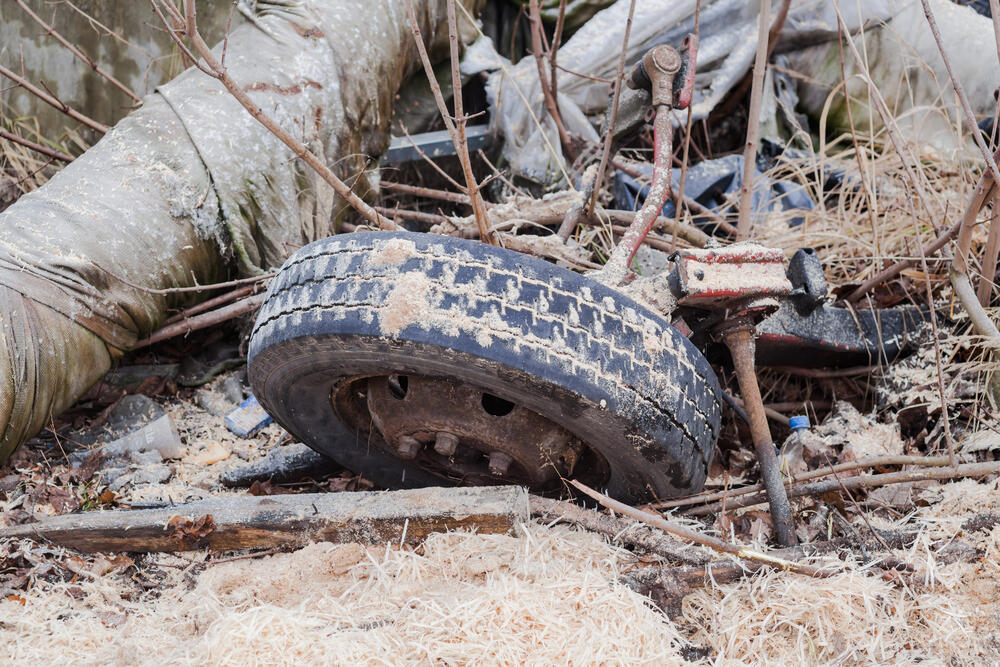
[(446, 444), (499, 463), (408, 447), (665, 58)]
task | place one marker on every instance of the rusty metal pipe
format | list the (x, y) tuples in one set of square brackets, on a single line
[(740, 341)]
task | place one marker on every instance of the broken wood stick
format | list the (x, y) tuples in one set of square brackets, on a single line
[(858, 482), (244, 522), (203, 321), (738, 550)]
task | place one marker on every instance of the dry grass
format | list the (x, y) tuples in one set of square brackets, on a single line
[(23, 167)]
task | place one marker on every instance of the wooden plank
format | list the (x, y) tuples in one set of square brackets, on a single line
[(241, 522)]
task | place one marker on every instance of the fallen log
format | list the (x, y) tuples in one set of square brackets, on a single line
[(244, 522)]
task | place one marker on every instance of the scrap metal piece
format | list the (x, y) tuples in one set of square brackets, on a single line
[(830, 336), (805, 271), (712, 278), (432, 144)]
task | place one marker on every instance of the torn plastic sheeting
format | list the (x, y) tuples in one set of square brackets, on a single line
[(716, 183), (728, 42), (906, 66), (188, 187)]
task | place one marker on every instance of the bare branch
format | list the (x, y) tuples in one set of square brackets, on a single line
[(455, 126), (83, 57), (53, 101), (38, 148), (588, 210), (745, 221), (214, 68), (551, 103)]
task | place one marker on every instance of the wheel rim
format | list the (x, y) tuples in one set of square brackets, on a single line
[(464, 433)]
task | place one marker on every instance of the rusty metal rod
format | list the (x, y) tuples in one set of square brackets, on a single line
[(740, 340), (616, 269)]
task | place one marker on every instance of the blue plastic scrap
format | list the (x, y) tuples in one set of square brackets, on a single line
[(247, 419), (712, 183), (799, 422)]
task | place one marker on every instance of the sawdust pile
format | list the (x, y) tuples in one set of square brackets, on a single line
[(547, 596), (550, 595)]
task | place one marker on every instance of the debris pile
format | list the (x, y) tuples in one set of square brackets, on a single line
[(483, 331)]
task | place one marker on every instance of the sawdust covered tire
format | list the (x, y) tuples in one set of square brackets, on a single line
[(603, 367)]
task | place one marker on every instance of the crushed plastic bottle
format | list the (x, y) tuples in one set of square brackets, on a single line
[(790, 456)]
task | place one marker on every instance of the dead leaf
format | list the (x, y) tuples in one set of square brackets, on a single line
[(62, 501), (103, 565), (186, 531), (17, 598), (266, 488), (107, 497)]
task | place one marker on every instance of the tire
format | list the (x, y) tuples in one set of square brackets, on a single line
[(605, 368)]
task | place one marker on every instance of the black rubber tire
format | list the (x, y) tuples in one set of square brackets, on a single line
[(613, 373)]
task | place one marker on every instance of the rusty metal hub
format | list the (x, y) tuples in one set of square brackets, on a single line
[(461, 432)]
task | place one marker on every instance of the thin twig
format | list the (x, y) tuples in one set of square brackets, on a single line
[(193, 288), (826, 372), (678, 203), (460, 121), (963, 100), (691, 204), (903, 264), (740, 551), (990, 256), (893, 131), (83, 57), (857, 508), (551, 104), (876, 462), (864, 482), (220, 300), (456, 125), (626, 532), (588, 210), (53, 101), (434, 165), (591, 77), (203, 321), (692, 235), (418, 216), (427, 193), (745, 222), (554, 51), (38, 148)]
